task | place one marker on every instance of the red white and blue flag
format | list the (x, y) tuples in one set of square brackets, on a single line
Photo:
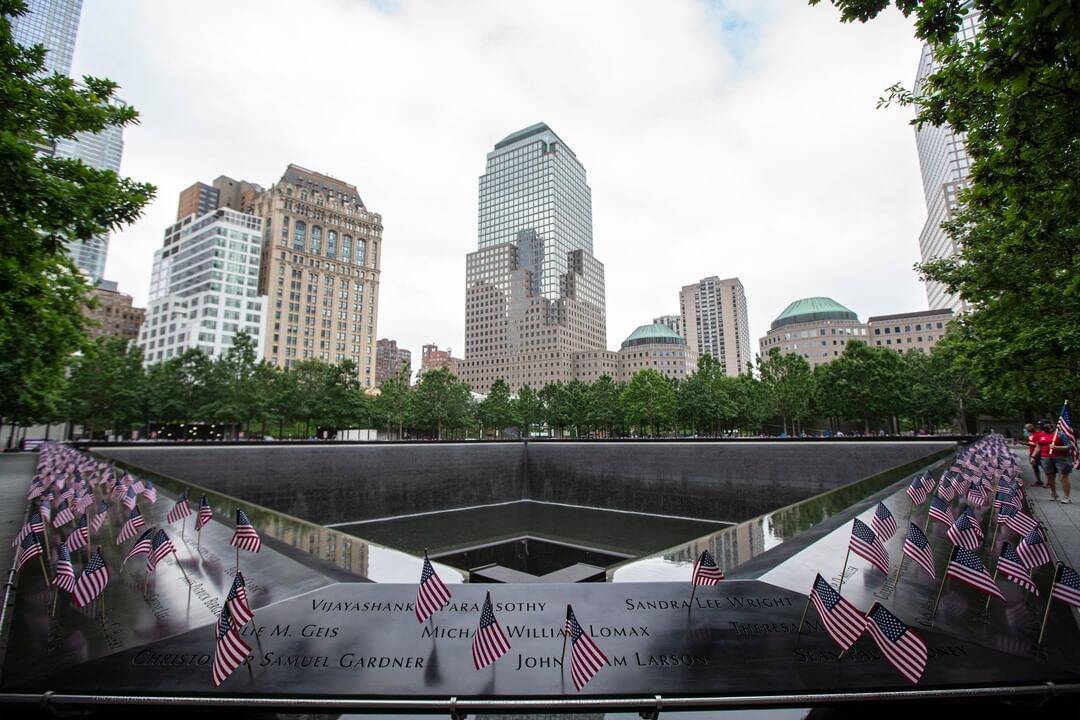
[(706, 571), (968, 567), (245, 537), (898, 643), (883, 522), (1017, 520), (1033, 549), (94, 578), (866, 544), (432, 595), (230, 650), (34, 525), (64, 578), (150, 492), (965, 532), (100, 517), (586, 658), (205, 514), (1012, 567), (237, 600), (940, 511), (1066, 586), (843, 622), (490, 642), (141, 547), (64, 515), (131, 526), (917, 491), (180, 510), (160, 547), (80, 536), (917, 547), (28, 548), (130, 498)]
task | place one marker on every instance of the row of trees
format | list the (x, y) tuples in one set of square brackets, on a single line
[(867, 389)]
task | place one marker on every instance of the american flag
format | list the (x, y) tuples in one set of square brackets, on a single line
[(883, 522), (141, 547), (205, 513), (45, 508), (80, 537), (898, 643), (706, 571), (160, 546), (940, 511), (1006, 497), (976, 495), (245, 536), (843, 622), (586, 658), (36, 488), (965, 532), (130, 498), (865, 543), (100, 517), (490, 642), (94, 578), (134, 522), (231, 651), (946, 489), (65, 574), (180, 510), (917, 547), (150, 492), (34, 525), (66, 494), (137, 485), (28, 548), (237, 600), (84, 501), (1064, 425), (917, 491), (1017, 520), (63, 515), (1033, 549), (1066, 585), (968, 567), (1012, 567), (432, 595)]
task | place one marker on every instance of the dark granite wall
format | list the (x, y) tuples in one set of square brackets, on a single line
[(331, 484), (345, 483), (719, 481)]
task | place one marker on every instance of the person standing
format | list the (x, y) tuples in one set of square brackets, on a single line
[(1054, 451), (1030, 431)]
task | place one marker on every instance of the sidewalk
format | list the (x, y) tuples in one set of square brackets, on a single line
[(16, 470), (1062, 522)]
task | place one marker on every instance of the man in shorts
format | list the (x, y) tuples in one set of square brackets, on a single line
[(1055, 461)]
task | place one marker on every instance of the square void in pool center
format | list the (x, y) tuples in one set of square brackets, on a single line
[(532, 537)]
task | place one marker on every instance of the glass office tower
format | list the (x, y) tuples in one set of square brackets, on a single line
[(54, 24), (535, 187)]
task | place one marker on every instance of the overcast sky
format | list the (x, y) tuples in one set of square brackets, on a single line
[(730, 138)]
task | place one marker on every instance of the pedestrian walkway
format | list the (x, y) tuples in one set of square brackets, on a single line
[(16, 470), (1062, 521)]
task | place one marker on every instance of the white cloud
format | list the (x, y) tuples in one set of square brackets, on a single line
[(731, 138)]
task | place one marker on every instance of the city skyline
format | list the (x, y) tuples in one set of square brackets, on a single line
[(657, 206)]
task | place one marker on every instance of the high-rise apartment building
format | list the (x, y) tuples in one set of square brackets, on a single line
[(201, 198), (198, 199), (534, 291), (945, 164), (113, 313), (673, 322), (391, 360), (432, 358), (54, 24), (320, 271), (204, 286), (714, 322)]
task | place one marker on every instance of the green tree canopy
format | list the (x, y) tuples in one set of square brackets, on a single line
[(649, 401), (787, 385), (495, 411), (45, 202), (1014, 91)]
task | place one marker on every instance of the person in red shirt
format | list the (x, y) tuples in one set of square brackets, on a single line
[(1033, 452), (1054, 451)]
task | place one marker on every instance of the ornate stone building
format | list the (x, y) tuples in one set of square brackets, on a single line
[(320, 271)]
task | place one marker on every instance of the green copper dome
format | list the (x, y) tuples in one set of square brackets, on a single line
[(810, 309), (653, 334)]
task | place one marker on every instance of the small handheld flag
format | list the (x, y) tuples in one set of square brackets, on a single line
[(843, 622), (1033, 549), (94, 578), (432, 595), (245, 537), (490, 642), (230, 651), (706, 571), (64, 578), (904, 650), (586, 658), (865, 544), (883, 523), (237, 601), (180, 510)]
